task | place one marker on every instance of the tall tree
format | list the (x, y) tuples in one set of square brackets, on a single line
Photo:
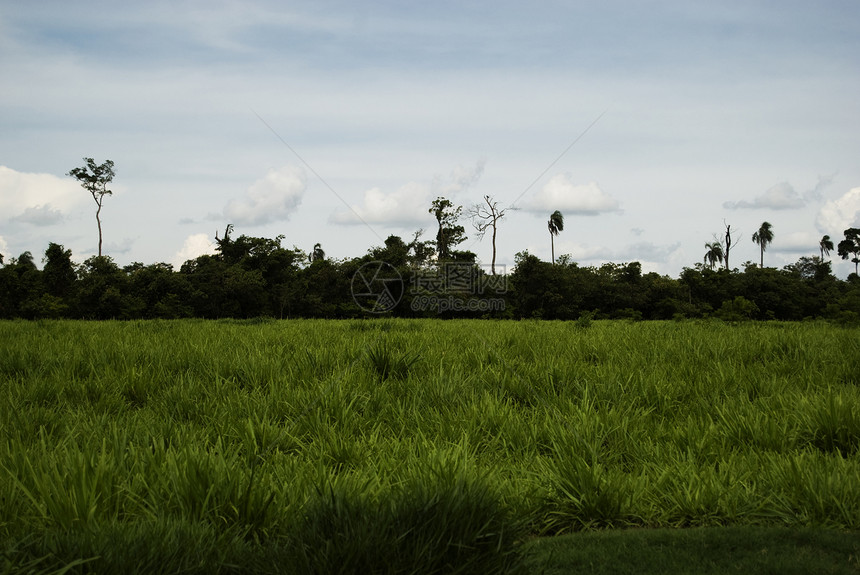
[(850, 246), (450, 233), (826, 246), (555, 225), (419, 253), (763, 237), (94, 179), (487, 217), (714, 255)]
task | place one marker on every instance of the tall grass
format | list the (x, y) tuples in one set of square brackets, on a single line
[(410, 446)]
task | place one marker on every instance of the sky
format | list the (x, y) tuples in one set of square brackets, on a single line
[(651, 125)]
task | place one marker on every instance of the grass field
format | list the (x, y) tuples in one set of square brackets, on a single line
[(398, 446)]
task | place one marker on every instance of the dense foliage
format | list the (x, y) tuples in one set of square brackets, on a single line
[(258, 277), (409, 446)]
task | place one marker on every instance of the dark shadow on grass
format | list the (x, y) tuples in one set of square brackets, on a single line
[(739, 549)]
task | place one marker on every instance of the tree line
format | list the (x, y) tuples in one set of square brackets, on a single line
[(258, 277), (251, 277)]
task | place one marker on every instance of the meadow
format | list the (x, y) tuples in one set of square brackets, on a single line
[(412, 446)]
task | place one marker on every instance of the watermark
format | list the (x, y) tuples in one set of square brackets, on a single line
[(377, 287), (441, 304)]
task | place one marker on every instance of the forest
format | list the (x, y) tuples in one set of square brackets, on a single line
[(251, 277)]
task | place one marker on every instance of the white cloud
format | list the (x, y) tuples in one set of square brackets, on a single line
[(782, 196), (649, 252), (561, 194), (272, 198), (409, 205), (42, 215), (123, 247), (795, 242), (38, 198), (194, 246), (405, 207), (816, 193), (640, 251), (461, 179), (4, 249), (838, 215)]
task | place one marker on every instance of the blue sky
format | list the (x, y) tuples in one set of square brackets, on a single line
[(339, 123)]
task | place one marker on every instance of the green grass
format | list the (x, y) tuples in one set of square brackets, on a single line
[(418, 446), (699, 551)]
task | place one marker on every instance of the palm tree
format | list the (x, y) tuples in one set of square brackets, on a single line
[(317, 255), (826, 246), (555, 225), (763, 237), (714, 255)]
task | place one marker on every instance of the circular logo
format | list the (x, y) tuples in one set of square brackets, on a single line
[(377, 287)]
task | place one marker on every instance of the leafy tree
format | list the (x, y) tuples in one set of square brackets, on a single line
[(806, 268), (533, 285), (737, 309), (450, 233), (555, 226), (21, 288), (487, 217), (103, 291), (763, 237), (395, 252), (94, 179), (826, 246), (714, 255), (420, 253), (164, 293), (59, 271), (850, 246)]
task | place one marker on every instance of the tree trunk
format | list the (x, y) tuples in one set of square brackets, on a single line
[(99, 223), (493, 265)]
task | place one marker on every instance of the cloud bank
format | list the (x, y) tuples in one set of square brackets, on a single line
[(194, 246), (272, 198), (408, 205), (405, 206), (38, 199), (43, 215), (560, 193), (782, 196), (838, 215)]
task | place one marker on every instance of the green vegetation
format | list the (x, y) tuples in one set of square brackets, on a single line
[(252, 277), (699, 551), (422, 446)]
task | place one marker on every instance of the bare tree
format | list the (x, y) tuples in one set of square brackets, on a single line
[(728, 244), (484, 217)]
